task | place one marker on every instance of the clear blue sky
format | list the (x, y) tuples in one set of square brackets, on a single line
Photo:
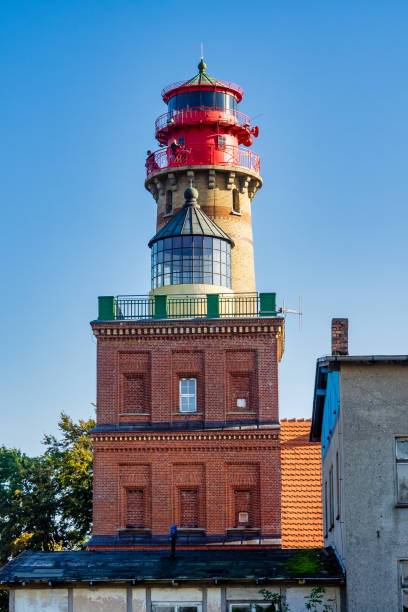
[(81, 85)]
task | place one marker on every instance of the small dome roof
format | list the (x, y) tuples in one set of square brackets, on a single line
[(190, 221), (202, 79)]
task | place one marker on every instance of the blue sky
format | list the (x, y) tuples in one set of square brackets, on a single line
[(81, 84)]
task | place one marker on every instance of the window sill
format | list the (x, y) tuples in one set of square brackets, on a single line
[(243, 529), (401, 505), (134, 529), (191, 529), (237, 214), (134, 414), (169, 214), (188, 413)]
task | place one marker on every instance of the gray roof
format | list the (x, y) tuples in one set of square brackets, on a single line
[(199, 565), (190, 221)]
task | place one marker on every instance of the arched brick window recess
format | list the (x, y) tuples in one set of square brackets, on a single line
[(169, 202), (235, 201)]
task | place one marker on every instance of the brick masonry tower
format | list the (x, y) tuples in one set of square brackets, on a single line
[(187, 427)]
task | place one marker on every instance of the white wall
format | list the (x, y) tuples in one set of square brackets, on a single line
[(118, 599), (98, 599), (33, 600)]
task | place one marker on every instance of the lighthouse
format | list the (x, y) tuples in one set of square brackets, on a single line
[(204, 142), (199, 497), (188, 431)]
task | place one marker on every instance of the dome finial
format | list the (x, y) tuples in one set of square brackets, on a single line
[(202, 66), (191, 195)]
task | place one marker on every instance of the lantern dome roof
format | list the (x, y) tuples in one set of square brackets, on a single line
[(190, 221), (202, 79)]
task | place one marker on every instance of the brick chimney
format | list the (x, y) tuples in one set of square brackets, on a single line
[(339, 336)]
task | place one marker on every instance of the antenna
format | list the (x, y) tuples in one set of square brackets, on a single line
[(299, 312), (202, 51)]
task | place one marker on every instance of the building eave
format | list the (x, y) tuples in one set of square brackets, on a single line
[(331, 362)]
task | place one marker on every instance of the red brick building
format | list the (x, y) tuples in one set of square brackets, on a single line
[(188, 429)]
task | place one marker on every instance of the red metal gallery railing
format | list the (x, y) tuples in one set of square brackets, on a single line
[(218, 155), (202, 114)]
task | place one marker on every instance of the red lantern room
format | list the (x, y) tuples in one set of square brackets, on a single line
[(202, 126)]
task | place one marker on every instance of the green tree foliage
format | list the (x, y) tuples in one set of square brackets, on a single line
[(46, 501), (70, 459)]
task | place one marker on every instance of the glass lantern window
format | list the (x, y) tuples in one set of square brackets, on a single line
[(202, 99), (200, 260)]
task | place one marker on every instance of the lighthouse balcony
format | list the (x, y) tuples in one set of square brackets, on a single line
[(203, 155), (171, 306), (229, 117)]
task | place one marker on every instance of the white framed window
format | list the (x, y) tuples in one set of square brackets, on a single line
[(258, 606), (188, 395), (176, 607), (401, 457), (404, 585)]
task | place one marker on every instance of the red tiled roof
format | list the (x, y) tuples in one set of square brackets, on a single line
[(302, 519)]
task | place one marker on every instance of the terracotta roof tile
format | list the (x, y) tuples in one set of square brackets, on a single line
[(302, 521)]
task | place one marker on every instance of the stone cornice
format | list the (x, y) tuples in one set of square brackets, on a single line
[(190, 328), (185, 437), (110, 329)]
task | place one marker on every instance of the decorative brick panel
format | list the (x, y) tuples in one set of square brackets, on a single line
[(188, 508), (135, 508), (133, 385), (240, 393), (134, 393), (243, 506)]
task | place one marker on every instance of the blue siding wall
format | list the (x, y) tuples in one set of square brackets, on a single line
[(331, 409)]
